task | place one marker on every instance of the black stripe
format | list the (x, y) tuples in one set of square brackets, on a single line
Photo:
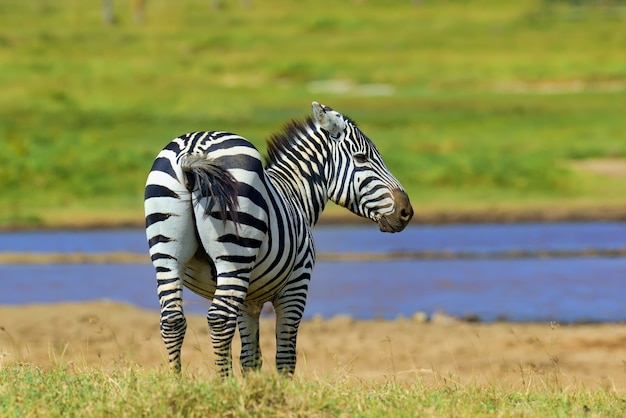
[(157, 239), (242, 218), (167, 293), (241, 259), (245, 190), (242, 161), (156, 217), (235, 287), (164, 165), (247, 219), (155, 190), (236, 273), (282, 232), (196, 137), (161, 256), (173, 146), (161, 282), (243, 242), (230, 302)]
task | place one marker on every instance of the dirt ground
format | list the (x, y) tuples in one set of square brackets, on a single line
[(441, 352)]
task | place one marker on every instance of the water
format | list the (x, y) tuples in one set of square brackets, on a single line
[(559, 289), (519, 290), (452, 238)]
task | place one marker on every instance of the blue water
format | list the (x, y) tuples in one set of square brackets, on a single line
[(452, 238), (476, 238), (563, 289), (566, 290)]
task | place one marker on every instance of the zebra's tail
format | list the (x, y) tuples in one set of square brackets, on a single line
[(212, 180)]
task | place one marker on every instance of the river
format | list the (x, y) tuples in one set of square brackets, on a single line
[(564, 272)]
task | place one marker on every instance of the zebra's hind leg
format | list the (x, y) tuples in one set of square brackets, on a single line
[(170, 270), (249, 330), (289, 307), (222, 319), (173, 322), (172, 241), (173, 328)]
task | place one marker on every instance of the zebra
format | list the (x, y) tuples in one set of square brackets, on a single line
[(236, 228)]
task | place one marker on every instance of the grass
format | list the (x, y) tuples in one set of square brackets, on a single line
[(473, 104), (28, 390)]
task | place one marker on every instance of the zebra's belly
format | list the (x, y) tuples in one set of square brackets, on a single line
[(200, 279)]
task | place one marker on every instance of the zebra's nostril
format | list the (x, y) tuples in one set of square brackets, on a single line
[(406, 214), (404, 210)]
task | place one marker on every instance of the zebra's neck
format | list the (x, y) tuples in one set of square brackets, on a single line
[(296, 165)]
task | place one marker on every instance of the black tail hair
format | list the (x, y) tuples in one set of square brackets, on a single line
[(211, 179)]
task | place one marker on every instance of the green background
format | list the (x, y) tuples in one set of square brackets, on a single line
[(475, 105)]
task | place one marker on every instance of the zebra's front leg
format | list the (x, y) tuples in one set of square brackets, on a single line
[(222, 319), (249, 330), (289, 307)]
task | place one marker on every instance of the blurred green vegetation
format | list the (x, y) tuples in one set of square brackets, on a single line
[(474, 104)]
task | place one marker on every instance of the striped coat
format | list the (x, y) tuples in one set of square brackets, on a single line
[(221, 224)]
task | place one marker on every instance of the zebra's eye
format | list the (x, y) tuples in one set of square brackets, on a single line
[(360, 158)]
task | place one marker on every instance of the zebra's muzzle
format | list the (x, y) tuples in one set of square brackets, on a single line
[(400, 217)]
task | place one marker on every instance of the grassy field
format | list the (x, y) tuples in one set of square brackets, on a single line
[(474, 104), (100, 359), (131, 392)]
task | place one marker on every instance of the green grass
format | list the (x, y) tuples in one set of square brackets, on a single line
[(480, 103), (27, 390)]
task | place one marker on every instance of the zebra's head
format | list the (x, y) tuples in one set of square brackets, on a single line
[(358, 178)]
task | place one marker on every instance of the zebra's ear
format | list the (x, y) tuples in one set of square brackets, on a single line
[(329, 120)]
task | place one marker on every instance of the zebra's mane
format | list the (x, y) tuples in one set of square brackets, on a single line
[(289, 137), (286, 139)]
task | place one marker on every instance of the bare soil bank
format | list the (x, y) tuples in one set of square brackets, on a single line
[(509, 355)]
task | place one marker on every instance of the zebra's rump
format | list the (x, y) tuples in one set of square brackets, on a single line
[(212, 180)]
